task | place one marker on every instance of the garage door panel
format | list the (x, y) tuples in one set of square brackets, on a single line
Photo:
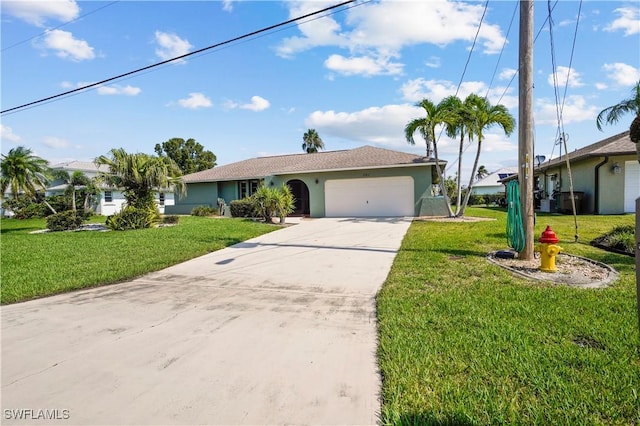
[(631, 185), (370, 197)]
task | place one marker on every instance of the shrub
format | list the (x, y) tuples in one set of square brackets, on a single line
[(242, 208), (171, 219), (619, 238), (264, 202), (65, 221), (132, 218), (204, 211), (24, 208)]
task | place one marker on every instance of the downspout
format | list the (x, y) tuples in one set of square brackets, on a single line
[(596, 183)]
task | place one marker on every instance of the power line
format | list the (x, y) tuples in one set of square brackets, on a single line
[(504, 44), (195, 52), (60, 26)]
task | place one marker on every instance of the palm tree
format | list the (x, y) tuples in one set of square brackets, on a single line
[(485, 116), (23, 172), (312, 142), (458, 121), (612, 114), (482, 172), (74, 181), (140, 175), (434, 115)]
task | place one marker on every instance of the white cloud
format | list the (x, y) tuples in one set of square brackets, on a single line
[(115, 89), (628, 21), (195, 101), (601, 86), (66, 46), (257, 104), (38, 12), (575, 110), (507, 73), (374, 27), (565, 76), (434, 62), (380, 125), (171, 46), (56, 143), (227, 5), (436, 90), (362, 65), (6, 134), (622, 74)]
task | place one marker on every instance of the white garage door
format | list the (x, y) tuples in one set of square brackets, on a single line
[(631, 185), (369, 197)]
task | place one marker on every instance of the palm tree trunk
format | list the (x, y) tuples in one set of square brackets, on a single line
[(470, 187), (443, 188), (49, 205), (459, 177)]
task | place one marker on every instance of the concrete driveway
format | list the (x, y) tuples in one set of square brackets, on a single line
[(280, 329)]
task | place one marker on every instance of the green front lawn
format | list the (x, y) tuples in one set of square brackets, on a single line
[(36, 265), (462, 341)]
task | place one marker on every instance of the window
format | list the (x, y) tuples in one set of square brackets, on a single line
[(108, 197), (248, 187), (161, 198), (254, 185), (243, 189)]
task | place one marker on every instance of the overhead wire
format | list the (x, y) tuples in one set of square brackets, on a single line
[(195, 52), (559, 109), (48, 30), (464, 71)]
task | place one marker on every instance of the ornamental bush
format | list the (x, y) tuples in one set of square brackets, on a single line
[(204, 211), (65, 221), (132, 218), (242, 208)]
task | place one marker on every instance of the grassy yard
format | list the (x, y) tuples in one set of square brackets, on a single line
[(36, 265), (464, 342)]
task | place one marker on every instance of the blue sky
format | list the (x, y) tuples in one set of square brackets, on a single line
[(354, 75)]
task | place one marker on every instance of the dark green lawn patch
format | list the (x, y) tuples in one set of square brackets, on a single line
[(36, 265), (462, 341)]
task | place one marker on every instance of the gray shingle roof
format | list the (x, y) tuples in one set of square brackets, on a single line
[(358, 158), (84, 166), (619, 144)]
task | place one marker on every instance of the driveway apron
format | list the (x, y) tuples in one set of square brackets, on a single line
[(280, 329)]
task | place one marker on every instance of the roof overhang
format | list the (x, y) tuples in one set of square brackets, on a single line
[(306, 172)]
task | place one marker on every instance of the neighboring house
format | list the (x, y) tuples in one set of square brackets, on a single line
[(365, 181), (605, 175), (110, 199), (490, 184)]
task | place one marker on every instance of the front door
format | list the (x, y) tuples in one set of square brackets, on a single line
[(300, 192)]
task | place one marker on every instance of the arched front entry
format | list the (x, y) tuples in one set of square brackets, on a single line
[(300, 192)]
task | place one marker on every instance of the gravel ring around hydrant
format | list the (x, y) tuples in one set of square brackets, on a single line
[(574, 271)]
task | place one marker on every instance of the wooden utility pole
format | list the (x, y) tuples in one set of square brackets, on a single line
[(525, 125)]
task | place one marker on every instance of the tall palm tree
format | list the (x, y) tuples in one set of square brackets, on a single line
[(312, 141), (485, 116), (140, 175), (458, 121), (612, 114), (482, 172), (435, 115), (23, 172)]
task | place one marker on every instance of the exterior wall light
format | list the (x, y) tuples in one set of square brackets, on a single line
[(616, 169)]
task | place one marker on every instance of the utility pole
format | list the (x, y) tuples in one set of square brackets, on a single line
[(525, 125)]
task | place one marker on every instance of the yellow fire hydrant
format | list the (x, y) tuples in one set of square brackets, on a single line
[(548, 250)]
